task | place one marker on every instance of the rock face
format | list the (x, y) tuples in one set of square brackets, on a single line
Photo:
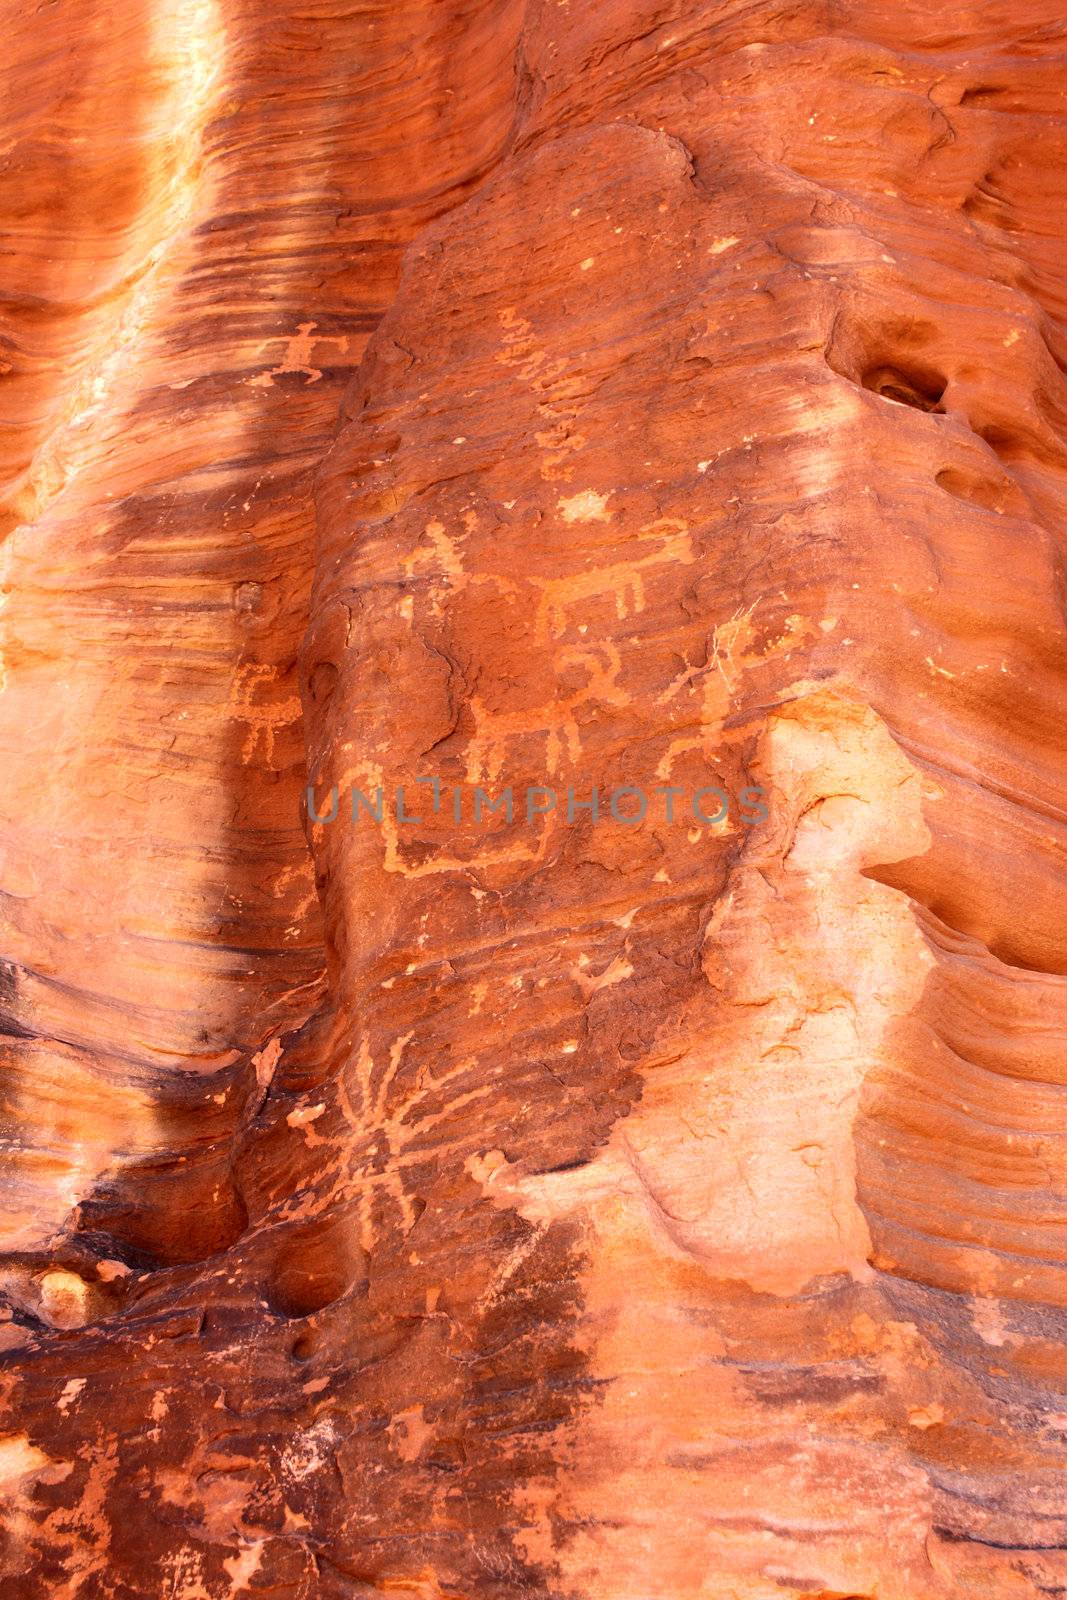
[(405, 1197)]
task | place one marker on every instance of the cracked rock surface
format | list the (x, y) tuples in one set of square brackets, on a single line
[(406, 1197)]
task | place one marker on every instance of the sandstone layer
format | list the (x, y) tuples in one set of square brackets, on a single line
[(532, 395)]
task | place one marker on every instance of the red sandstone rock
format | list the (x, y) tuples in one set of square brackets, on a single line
[(469, 1207)]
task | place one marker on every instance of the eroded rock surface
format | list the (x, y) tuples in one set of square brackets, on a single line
[(535, 395)]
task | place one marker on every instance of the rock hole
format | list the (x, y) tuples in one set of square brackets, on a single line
[(921, 389), (573, 1165), (986, 204), (316, 1263), (306, 1345), (322, 681), (1008, 954), (982, 94), (159, 1218), (892, 358), (833, 1594), (975, 489), (963, 912), (1008, 443)]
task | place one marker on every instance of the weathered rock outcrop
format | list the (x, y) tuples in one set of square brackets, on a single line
[(555, 399)]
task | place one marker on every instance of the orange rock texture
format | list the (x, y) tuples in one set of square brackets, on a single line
[(420, 405)]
